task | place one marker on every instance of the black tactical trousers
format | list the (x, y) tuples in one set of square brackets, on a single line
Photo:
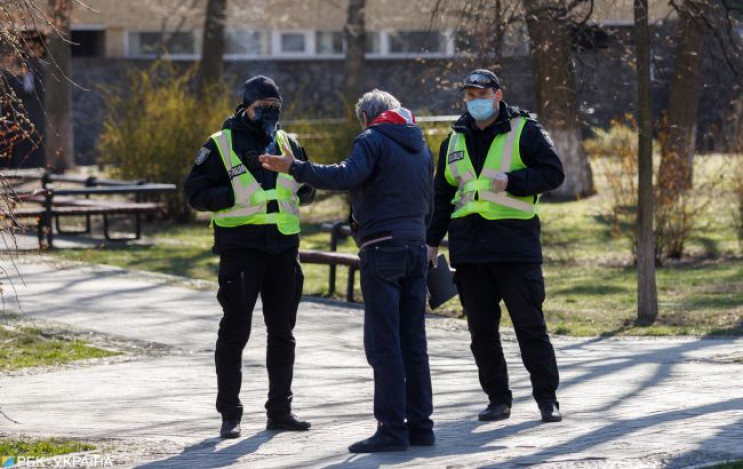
[(521, 287), (243, 274)]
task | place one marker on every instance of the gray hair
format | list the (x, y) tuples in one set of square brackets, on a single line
[(374, 103)]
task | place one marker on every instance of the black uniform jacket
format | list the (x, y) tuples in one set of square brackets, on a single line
[(473, 239), (208, 188)]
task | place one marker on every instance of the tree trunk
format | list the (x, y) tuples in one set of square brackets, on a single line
[(647, 301), (211, 67), (676, 168), (58, 96), (354, 32), (557, 101)]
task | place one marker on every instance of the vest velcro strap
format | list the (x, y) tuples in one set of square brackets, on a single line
[(244, 211), (503, 199), (477, 185), (265, 196)]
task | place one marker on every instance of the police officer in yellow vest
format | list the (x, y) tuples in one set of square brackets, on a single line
[(255, 216), (491, 171)]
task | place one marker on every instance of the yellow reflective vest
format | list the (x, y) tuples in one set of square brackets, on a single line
[(251, 201), (474, 192)]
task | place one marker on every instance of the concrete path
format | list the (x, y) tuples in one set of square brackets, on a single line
[(631, 403)]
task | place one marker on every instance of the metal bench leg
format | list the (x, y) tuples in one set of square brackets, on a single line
[(137, 232), (45, 224), (335, 233), (61, 231), (351, 284)]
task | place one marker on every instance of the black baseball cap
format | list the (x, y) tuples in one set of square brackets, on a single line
[(480, 78)]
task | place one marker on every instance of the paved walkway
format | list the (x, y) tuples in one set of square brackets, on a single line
[(626, 402)]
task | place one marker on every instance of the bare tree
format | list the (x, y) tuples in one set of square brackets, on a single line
[(58, 97), (354, 32), (557, 103), (491, 27), (647, 300), (211, 67), (676, 168)]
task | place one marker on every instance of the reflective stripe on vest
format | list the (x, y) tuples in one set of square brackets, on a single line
[(475, 194), (251, 201)]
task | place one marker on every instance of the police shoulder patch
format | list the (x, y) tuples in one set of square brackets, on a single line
[(202, 155), (456, 156)]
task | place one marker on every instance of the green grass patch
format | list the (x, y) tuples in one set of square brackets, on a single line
[(728, 465), (40, 448), (590, 279), (25, 347)]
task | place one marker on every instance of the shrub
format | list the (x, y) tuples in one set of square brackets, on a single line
[(155, 124), (676, 213), (614, 152)]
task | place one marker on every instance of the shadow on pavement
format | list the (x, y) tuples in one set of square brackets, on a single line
[(204, 455)]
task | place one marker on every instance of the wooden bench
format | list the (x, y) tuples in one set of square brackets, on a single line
[(333, 259), (55, 203)]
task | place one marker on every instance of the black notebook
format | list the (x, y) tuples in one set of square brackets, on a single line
[(441, 286)]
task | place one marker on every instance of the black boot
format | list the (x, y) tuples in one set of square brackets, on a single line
[(422, 437), (550, 412), (494, 412), (378, 443), (230, 429), (288, 423)]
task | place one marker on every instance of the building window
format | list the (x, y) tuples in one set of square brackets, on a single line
[(149, 44), (293, 43), (88, 43), (247, 43), (416, 42), (329, 43), (515, 42), (373, 42)]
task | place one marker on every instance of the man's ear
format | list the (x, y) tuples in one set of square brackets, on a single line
[(363, 119)]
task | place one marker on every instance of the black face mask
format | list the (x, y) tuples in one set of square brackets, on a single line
[(267, 117)]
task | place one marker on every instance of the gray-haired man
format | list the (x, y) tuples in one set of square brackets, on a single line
[(389, 175)]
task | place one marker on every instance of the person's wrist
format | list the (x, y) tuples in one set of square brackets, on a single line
[(292, 167)]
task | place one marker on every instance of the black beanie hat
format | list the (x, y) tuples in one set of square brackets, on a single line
[(259, 87)]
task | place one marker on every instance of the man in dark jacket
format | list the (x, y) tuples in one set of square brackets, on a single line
[(255, 216), (389, 174), (491, 172)]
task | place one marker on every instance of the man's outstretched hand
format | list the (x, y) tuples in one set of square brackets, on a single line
[(278, 163)]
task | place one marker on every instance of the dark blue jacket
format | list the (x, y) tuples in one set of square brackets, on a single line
[(390, 177)]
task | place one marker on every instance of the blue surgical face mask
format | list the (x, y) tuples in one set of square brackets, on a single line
[(481, 109)]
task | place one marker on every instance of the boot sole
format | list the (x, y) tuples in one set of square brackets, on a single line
[(378, 449), (494, 419), (286, 428), (422, 443)]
